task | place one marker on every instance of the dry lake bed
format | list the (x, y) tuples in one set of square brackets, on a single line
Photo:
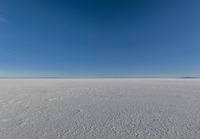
[(99, 108)]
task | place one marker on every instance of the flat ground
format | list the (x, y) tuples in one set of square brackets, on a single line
[(99, 108)]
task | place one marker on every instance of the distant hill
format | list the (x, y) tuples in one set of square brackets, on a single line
[(188, 77)]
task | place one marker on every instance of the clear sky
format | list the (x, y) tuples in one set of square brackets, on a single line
[(99, 37)]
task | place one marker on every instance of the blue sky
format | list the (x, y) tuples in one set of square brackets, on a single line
[(99, 37)]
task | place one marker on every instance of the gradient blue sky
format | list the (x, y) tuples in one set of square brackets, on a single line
[(99, 37)]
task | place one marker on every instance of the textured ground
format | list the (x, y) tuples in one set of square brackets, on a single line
[(99, 108)]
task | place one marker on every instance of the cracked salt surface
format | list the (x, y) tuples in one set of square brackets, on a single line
[(99, 108)]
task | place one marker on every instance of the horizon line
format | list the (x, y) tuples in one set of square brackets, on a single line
[(93, 77)]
